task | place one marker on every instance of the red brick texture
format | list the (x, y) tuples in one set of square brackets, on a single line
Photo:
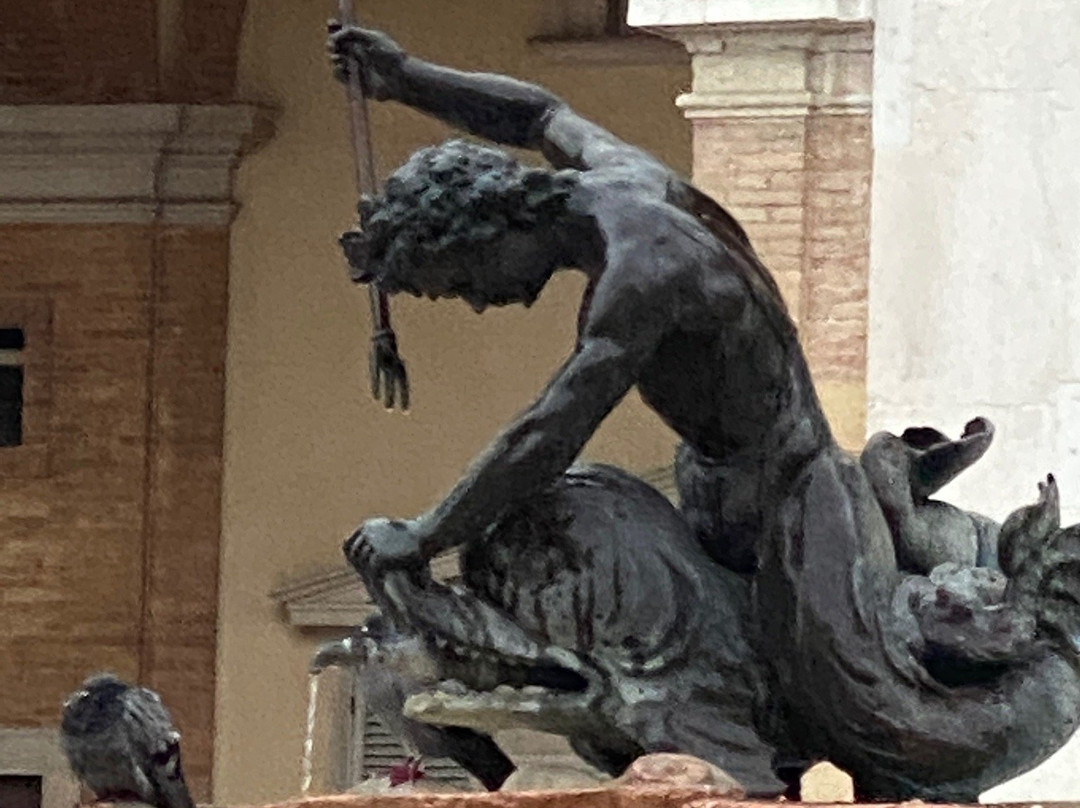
[(209, 32), (757, 168), (74, 53), (108, 53), (108, 561), (836, 261)]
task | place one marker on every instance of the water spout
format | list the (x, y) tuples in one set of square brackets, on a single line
[(309, 739)]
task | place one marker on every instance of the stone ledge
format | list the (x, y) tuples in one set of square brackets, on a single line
[(663, 13), (636, 797), (36, 751), (583, 798), (123, 162)]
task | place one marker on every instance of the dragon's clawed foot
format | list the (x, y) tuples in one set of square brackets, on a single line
[(1027, 531), (1042, 560)]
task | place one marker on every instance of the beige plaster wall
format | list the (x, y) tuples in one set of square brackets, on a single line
[(308, 454)]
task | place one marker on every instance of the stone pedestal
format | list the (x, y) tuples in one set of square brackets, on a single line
[(585, 798)]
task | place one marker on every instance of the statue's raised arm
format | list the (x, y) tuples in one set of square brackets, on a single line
[(497, 108)]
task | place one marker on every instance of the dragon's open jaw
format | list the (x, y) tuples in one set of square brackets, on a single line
[(505, 707), (488, 690)]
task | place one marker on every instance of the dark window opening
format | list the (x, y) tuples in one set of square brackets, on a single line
[(20, 791), (12, 342), (12, 339)]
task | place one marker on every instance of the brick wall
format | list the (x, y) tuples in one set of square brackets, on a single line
[(75, 53), (135, 51), (110, 512), (757, 169), (108, 559), (836, 261)]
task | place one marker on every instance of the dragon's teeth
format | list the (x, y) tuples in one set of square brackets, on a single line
[(453, 687)]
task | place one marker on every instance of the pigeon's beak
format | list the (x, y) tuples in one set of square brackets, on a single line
[(340, 653)]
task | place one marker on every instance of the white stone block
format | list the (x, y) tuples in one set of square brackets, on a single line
[(641, 13), (660, 13)]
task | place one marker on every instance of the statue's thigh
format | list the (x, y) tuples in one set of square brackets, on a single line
[(599, 559)]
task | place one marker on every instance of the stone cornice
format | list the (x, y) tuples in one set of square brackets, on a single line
[(757, 59), (668, 14), (136, 163)]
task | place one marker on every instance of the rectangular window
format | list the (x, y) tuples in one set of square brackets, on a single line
[(20, 791), (12, 342)]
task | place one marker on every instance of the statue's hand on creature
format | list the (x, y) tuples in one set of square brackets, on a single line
[(383, 545), (380, 58)]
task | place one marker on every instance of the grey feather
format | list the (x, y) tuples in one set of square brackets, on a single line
[(121, 743)]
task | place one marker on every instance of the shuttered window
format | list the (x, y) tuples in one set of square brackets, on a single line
[(376, 751)]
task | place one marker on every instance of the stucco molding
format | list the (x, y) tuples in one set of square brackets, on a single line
[(134, 163), (795, 105), (769, 58), (37, 752)]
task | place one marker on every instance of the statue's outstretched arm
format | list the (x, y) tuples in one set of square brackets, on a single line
[(624, 326), (495, 107), (540, 445)]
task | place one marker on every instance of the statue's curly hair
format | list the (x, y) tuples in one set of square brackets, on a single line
[(449, 200)]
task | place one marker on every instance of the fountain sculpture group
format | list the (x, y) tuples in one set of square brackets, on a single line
[(801, 603)]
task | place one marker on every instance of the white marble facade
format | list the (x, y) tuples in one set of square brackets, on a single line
[(975, 237), (975, 252)]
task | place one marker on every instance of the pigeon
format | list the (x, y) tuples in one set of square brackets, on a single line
[(392, 666), (122, 745)]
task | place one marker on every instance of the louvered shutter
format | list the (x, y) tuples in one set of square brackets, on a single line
[(377, 751)]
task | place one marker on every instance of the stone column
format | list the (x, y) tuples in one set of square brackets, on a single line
[(780, 107), (115, 225)]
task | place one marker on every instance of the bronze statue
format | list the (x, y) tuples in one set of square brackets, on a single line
[(801, 603)]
